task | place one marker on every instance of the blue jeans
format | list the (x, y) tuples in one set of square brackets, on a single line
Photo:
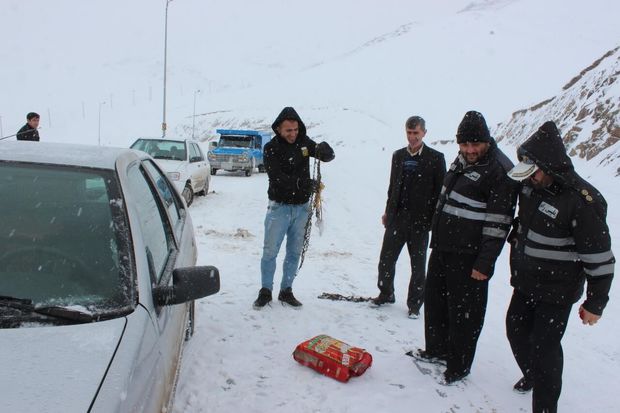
[(283, 219)]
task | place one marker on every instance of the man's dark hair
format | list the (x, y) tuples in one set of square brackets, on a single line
[(32, 115), (414, 121)]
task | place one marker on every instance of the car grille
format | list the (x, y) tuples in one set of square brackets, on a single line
[(226, 158)]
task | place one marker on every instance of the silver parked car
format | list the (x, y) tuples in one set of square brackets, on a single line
[(97, 280), (183, 162)]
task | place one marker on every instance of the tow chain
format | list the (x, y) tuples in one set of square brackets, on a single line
[(316, 208), (340, 297)]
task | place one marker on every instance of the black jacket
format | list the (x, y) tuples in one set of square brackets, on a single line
[(27, 133), (425, 186), (288, 164), (562, 237), (475, 209)]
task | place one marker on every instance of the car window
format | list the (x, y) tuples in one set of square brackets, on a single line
[(153, 223), (235, 141), (194, 155), (162, 148), (166, 193), (63, 237), (200, 153)]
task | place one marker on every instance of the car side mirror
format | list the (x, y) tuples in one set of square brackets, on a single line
[(195, 159), (212, 144), (188, 284)]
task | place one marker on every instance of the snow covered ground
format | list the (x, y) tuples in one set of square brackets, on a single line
[(240, 359), (355, 70)]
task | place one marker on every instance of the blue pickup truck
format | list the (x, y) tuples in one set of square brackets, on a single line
[(238, 150)]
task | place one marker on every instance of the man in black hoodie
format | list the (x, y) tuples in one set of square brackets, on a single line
[(470, 226), (287, 161), (559, 240), (29, 131)]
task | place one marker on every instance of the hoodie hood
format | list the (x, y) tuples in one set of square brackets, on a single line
[(288, 113), (546, 149)]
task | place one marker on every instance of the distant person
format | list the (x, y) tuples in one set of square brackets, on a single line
[(470, 226), (560, 239), (29, 131), (416, 177), (287, 161)]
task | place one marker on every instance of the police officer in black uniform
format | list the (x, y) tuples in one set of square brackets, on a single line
[(559, 240), (471, 223)]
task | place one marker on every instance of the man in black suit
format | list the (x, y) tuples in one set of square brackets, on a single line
[(415, 182)]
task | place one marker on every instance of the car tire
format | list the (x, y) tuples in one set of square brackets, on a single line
[(191, 321), (205, 190), (261, 168), (188, 194), (248, 172), (213, 171)]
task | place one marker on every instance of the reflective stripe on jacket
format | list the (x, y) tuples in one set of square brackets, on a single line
[(475, 209), (561, 240)]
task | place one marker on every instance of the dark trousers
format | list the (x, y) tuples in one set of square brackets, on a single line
[(535, 331), (455, 309), (398, 233)]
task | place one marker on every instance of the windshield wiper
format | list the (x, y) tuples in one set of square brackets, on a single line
[(20, 307), (65, 313), (16, 303)]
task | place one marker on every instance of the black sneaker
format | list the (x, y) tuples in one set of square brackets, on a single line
[(524, 385), (286, 296), (264, 297), (413, 314), (383, 299), (450, 377), (425, 356)]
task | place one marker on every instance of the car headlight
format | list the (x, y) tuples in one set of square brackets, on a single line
[(243, 158), (174, 176)]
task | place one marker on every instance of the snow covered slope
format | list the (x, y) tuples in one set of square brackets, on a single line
[(355, 70), (586, 110), (95, 69)]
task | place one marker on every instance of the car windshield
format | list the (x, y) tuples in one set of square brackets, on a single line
[(236, 141), (162, 148), (63, 237)]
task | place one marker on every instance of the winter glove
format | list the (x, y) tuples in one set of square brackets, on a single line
[(324, 152), (307, 185)]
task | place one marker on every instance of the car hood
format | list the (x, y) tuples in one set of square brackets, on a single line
[(230, 151), (56, 369), (168, 165)]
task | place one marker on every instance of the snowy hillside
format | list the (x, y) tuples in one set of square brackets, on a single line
[(586, 111), (95, 69), (354, 70)]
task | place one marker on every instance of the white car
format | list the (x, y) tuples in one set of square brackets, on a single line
[(97, 280), (183, 161)]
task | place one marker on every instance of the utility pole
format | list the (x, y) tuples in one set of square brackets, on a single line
[(163, 123), (99, 124), (194, 113)]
